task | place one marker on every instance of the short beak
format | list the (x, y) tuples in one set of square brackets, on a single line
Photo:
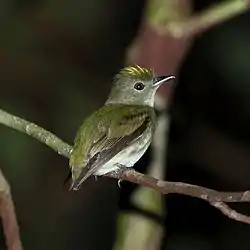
[(162, 79)]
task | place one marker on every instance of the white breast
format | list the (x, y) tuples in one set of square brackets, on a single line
[(129, 156)]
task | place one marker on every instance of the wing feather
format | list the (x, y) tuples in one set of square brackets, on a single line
[(118, 134)]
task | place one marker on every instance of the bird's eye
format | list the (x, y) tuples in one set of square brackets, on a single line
[(139, 86)]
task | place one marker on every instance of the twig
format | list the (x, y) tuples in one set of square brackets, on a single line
[(168, 187), (196, 24), (8, 216), (36, 132), (215, 198), (225, 209)]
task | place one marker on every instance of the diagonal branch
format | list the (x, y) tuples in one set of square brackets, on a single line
[(36, 132), (196, 24), (225, 209), (8, 216), (215, 198)]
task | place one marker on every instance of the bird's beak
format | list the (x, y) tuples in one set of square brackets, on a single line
[(162, 79)]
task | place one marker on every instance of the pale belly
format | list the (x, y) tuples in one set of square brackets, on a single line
[(129, 156)]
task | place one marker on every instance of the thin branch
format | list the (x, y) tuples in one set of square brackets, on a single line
[(196, 24), (36, 132), (215, 198), (168, 187), (232, 214), (8, 216)]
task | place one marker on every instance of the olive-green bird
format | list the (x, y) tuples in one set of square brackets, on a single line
[(118, 133)]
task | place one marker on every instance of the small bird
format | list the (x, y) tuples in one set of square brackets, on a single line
[(117, 134)]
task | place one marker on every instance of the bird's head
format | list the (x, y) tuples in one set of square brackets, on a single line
[(136, 85)]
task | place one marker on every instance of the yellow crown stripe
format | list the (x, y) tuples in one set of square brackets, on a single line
[(137, 71)]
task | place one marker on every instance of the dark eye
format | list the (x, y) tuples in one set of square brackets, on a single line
[(139, 86)]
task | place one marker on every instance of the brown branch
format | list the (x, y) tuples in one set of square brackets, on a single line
[(215, 198), (8, 217), (232, 214)]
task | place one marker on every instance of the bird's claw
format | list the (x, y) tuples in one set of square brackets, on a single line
[(119, 183)]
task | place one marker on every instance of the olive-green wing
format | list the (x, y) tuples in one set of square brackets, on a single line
[(113, 135)]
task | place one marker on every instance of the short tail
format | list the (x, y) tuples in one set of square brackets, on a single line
[(74, 183)]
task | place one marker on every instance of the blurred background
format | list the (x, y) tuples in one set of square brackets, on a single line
[(57, 61)]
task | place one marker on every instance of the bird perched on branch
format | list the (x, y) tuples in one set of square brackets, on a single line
[(118, 133)]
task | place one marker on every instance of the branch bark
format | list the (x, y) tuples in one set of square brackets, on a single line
[(36, 132), (196, 24), (8, 216), (215, 198)]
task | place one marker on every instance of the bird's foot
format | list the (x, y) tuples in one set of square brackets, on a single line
[(96, 177), (119, 183), (121, 168)]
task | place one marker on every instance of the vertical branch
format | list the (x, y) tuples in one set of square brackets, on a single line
[(8, 217)]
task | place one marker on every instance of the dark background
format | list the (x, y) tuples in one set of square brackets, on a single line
[(57, 60)]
